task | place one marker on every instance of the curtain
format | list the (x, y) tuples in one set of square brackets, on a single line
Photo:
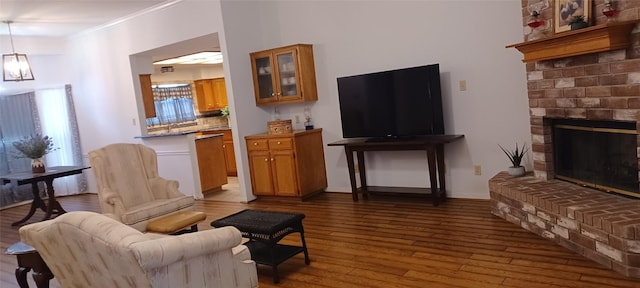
[(48, 112), (173, 105), (58, 120), (18, 118)]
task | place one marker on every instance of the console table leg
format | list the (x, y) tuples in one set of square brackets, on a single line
[(363, 175), (352, 173), (441, 169), (431, 158)]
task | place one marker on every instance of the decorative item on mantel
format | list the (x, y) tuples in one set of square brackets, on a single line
[(577, 22), (536, 26), (609, 10), (34, 148), (566, 12), (515, 157)]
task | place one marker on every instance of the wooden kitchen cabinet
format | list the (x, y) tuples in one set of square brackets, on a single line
[(229, 150), (211, 163), (287, 164), (147, 95), (211, 94), (284, 75)]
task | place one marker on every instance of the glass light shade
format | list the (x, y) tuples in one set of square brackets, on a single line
[(15, 67)]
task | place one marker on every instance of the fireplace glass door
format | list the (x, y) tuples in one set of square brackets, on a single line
[(598, 154)]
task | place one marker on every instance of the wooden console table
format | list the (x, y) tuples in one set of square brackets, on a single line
[(433, 145)]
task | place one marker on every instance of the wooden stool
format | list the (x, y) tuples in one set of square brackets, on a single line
[(28, 258), (177, 223)]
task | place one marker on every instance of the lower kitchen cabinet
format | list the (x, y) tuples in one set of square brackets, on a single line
[(287, 164), (211, 163), (229, 152), (227, 147)]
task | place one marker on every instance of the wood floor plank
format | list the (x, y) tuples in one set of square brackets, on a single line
[(389, 242)]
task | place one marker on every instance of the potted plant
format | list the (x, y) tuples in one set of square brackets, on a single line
[(578, 22), (34, 148), (515, 156), (225, 113)]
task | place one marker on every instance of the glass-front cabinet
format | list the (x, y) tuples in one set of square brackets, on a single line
[(284, 75)]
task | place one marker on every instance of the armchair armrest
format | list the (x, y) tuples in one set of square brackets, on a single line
[(164, 251), (164, 189), (111, 203)]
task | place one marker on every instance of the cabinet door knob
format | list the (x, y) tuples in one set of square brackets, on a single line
[(265, 159), (271, 159), (224, 146), (279, 143), (279, 93), (255, 143), (273, 94)]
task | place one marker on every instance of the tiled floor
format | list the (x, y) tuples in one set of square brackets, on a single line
[(230, 192)]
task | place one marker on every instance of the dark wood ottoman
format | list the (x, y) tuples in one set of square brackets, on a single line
[(264, 229)]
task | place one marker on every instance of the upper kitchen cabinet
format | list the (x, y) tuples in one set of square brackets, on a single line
[(211, 94), (284, 75), (147, 95)]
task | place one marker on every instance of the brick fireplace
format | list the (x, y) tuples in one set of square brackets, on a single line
[(603, 87)]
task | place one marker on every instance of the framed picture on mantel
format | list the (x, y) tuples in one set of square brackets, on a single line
[(565, 10)]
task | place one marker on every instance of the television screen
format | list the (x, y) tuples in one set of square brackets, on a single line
[(392, 104)]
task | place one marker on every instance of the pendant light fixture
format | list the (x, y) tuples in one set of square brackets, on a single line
[(15, 67)]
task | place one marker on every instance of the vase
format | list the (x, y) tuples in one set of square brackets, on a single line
[(516, 171), (37, 165)]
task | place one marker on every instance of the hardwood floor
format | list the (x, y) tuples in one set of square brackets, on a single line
[(401, 242)]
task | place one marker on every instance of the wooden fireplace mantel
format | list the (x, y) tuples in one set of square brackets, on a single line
[(599, 38)]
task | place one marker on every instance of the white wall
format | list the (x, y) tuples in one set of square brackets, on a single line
[(467, 38), (353, 37)]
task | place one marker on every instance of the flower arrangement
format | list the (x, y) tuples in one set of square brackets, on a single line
[(516, 155), (34, 147)]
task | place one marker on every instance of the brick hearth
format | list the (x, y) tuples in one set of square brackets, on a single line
[(602, 227)]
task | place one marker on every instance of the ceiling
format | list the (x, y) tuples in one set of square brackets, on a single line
[(51, 18)]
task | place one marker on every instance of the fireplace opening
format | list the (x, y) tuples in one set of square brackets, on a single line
[(597, 154)]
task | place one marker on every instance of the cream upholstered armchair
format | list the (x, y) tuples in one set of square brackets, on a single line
[(129, 187), (86, 249)]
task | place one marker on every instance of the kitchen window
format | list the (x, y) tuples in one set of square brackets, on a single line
[(174, 105)]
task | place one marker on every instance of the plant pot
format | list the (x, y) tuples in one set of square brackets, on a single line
[(516, 171), (578, 25), (37, 165)]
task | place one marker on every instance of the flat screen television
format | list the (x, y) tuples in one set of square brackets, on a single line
[(401, 103)]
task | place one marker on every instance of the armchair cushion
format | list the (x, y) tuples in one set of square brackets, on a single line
[(86, 249), (154, 209)]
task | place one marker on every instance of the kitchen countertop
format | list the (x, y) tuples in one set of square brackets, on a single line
[(214, 129), (208, 136), (179, 133)]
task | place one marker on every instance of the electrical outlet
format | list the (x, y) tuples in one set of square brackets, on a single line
[(133, 121), (463, 85), (477, 170), (297, 119)]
